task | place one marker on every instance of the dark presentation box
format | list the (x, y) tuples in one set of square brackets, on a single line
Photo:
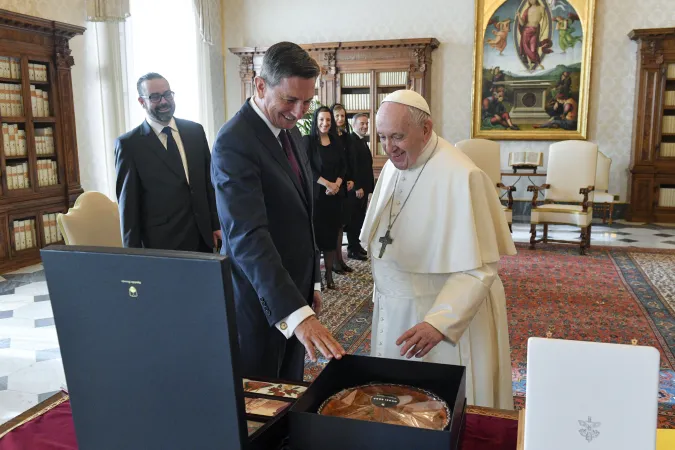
[(150, 352), (312, 431)]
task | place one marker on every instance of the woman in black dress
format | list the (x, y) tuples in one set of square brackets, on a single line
[(344, 132), (326, 156)]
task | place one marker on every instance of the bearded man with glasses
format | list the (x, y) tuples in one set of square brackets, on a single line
[(164, 191)]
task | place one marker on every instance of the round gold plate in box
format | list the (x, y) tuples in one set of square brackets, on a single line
[(389, 403)]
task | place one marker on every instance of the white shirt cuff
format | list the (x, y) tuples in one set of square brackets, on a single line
[(317, 287), (288, 325)]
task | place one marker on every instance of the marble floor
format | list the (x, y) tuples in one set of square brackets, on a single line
[(619, 234), (30, 360)]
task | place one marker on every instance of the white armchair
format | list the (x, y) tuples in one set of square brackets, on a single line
[(570, 178), (602, 198), (93, 220), (486, 155)]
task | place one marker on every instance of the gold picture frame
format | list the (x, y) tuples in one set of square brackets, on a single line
[(532, 69)]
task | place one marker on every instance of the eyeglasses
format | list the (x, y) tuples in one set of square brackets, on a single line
[(156, 98)]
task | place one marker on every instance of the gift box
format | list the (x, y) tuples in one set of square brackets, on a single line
[(150, 353), (312, 431)]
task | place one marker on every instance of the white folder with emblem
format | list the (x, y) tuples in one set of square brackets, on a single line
[(591, 396)]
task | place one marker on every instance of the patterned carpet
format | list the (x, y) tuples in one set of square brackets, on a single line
[(609, 295)]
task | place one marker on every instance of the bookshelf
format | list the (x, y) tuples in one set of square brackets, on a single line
[(358, 75), (39, 172), (652, 168)]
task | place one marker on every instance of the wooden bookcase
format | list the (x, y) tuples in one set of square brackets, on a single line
[(38, 159), (652, 167), (358, 75)]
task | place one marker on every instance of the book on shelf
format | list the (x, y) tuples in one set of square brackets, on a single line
[(17, 176), (667, 197), (354, 102), (47, 172), (51, 229), (25, 234), (10, 68), (39, 102), (667, 149), (392, 78), (356, 80), (669, 98), (14, 140), (528, 159), (670, 73), (668, 124), (44, 141), (11, 101), (37, 72)]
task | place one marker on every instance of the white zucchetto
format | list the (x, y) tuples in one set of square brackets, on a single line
[(409, 98)]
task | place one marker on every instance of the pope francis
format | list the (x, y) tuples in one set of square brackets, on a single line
[(436, 230)]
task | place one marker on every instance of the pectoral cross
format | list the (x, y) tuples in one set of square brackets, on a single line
[(385, 240)]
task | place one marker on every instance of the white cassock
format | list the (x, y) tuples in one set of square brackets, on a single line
[(442, 267)]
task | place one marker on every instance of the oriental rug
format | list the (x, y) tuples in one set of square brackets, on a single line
[(609, 295)]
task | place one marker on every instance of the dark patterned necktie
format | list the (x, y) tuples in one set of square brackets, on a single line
[(172, 146), (286, 144)]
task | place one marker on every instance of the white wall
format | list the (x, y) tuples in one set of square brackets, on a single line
[(264, 22)]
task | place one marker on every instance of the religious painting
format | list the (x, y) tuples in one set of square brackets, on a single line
[(532, 69)]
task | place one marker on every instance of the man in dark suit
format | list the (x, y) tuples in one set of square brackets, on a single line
[(264, 194), (364, 184), (164, 190)]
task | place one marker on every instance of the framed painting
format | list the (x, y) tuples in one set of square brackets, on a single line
[(532, 67)]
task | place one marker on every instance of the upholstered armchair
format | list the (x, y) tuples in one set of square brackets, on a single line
[(602, 198), (93, 220), (570, 180), (486, 155)]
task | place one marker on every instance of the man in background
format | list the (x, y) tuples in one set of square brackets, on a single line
[(364, 183), (166, 199), (264, 191)]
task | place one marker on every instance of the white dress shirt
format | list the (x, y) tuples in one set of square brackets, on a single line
[(158, 127), (287, 325)]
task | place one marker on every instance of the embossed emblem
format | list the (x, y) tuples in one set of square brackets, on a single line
[(133, 292), (589, 430)]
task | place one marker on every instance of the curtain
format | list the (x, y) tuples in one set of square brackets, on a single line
[(207, 13), (108, 17), (107, 10)]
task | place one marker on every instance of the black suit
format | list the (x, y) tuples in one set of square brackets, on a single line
[(363, 179), (158, 208), (266, 218)]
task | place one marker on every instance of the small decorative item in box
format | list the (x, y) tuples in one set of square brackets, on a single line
[(377, 403), (266, 405)]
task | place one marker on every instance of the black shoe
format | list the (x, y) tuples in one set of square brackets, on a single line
[(337, 269), (362, 251), (357, 255), (346, 268)]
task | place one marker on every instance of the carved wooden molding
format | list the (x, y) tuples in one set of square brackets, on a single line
[(9, 19), (651, 33), (62, 51)]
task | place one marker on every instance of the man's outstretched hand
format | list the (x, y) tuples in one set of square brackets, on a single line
[(313, 335), (419, 340)]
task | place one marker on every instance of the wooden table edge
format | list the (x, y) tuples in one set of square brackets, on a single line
[(36, 411)]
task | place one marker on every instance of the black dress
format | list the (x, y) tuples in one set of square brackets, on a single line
[(346, 214), (327, 162)]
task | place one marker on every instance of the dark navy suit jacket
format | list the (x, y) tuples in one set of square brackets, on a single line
[(266, 218), (158, 208)]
